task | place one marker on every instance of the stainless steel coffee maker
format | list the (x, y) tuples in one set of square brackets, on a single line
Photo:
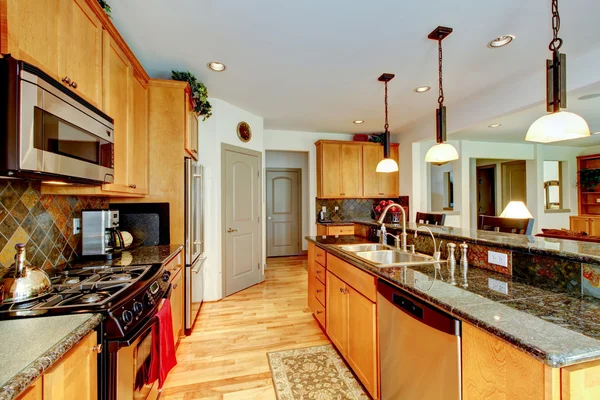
[(100, 234)]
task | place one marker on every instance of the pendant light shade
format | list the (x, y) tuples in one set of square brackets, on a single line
[(441, 154), (555, 127), (387, 165)]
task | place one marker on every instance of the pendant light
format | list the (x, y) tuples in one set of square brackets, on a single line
[(558, 125), (441, 153), (387, 164)]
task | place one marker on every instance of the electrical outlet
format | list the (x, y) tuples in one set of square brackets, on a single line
[(337, 209), (324, 209), (498, 286), (76, 226), (498, 258)]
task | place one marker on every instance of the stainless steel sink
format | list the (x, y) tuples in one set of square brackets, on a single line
[(364, 247), (395, 258)]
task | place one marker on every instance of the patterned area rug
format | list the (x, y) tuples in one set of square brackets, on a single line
[(315, 373)]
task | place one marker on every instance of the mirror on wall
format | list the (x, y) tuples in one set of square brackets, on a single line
[(552, 185), (442, 187)]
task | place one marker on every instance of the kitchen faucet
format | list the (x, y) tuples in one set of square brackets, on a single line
[(383, 231), (436, 252)]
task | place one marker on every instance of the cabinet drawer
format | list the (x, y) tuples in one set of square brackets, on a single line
[(340, 230), (320, 314), (320, 273), (321, 257), (320, 291), (361, 281)]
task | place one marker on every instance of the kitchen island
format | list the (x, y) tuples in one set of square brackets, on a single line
[(542, 341)]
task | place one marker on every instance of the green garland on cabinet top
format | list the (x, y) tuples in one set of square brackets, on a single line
[(589, 177), (199, 93), (106, 7)]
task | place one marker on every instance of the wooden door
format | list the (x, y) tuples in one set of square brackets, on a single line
[(137, 155), (486, 190), (241, 224), (336, 313), (351, 171), (389, 185), (80, 50), (283, 216), (594, 224), (581, 224), (75, 375), (362, 339), (30, 32), (118, 77), (177, 301), (371, 157), (329, 162), (514, 182)]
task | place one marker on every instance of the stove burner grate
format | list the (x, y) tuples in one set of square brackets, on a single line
[(25, 305), (90, 298), (120, 277)]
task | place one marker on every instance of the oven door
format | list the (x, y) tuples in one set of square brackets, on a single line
[(62, 137)]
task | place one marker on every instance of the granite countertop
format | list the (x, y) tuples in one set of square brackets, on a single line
[(332, 223), (578, 251), (142, 255), (556, 328), (30, 346)]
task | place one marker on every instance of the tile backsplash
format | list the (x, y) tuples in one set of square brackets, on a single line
[(351, 209), (43, 222)]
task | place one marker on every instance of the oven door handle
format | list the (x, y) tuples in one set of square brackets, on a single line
[(144, 329)]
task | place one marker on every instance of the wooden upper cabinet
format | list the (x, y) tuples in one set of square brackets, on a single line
[(191, 129), (29, 32), (351, 170), (137, 156), (118, 90), (348, 170), (80, 50)]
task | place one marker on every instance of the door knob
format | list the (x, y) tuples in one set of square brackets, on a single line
[(269, 218), (229, 230)]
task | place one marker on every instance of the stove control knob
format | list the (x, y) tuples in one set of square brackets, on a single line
[(138, 307), (149, 300), (166, 276), (127, 317)]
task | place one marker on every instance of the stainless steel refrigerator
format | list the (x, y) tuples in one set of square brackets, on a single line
[(194, 242)]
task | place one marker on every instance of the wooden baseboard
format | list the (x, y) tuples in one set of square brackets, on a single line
[(303, 253)]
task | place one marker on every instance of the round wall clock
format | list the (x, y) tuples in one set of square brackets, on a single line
[(244, 132)]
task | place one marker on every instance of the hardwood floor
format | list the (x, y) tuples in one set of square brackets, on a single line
[(225, 357)]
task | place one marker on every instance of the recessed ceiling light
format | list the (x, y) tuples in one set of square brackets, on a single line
[(216, 66), (501, 41), (358, 121), (422, 89), (494, 125), (589, 96)]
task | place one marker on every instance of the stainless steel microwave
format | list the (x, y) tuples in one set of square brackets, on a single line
[(47, 132)]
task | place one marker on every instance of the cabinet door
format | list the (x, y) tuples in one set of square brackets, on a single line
[(330, 170), (137, 156), (351, 171), (191, 129), (581, 224), (594, 224), (30, 32), (75, 375), (371, 157), (80, 50), (177, 305), (117, 91), (336, 312), (362, 339), (388, 182), (33, 392)]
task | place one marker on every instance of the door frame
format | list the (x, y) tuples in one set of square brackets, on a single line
[(494, 188), (261, 223), (300, 202), (503, 167)]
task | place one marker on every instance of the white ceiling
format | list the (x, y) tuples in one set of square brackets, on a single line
[(313, 65), (514, 126)]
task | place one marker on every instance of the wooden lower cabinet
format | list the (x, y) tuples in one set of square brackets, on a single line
[(75, 376), (586, 223), (581, 382), (334, 230), (176, 268), (336, 314), (33, 392), (316, 286)]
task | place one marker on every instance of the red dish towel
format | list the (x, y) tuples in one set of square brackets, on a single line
[(162, 359)]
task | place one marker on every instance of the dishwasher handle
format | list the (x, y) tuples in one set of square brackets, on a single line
[(418, 310)]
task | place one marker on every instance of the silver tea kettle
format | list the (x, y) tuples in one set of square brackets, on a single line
[(23, 281)]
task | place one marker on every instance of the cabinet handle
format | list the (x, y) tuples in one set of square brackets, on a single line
[(67, 80), (231, 230), (175, 286), (195, 151), (342, 194), (319, 290), (341, 290), (74, 85), (319, 312), (133, 186), (318, 271), (97, 349)]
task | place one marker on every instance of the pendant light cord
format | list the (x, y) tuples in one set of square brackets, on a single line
[(387, 125), (556, 42), (441, 86)]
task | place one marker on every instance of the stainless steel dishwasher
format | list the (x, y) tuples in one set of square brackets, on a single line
[(419, 349)]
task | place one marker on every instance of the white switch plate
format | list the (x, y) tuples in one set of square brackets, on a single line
[(498, 286), (337, 209), (498, 258), (324, 209), (76, 226)]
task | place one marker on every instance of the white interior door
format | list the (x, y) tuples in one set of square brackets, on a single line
[(242, 229), (282, 213)]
